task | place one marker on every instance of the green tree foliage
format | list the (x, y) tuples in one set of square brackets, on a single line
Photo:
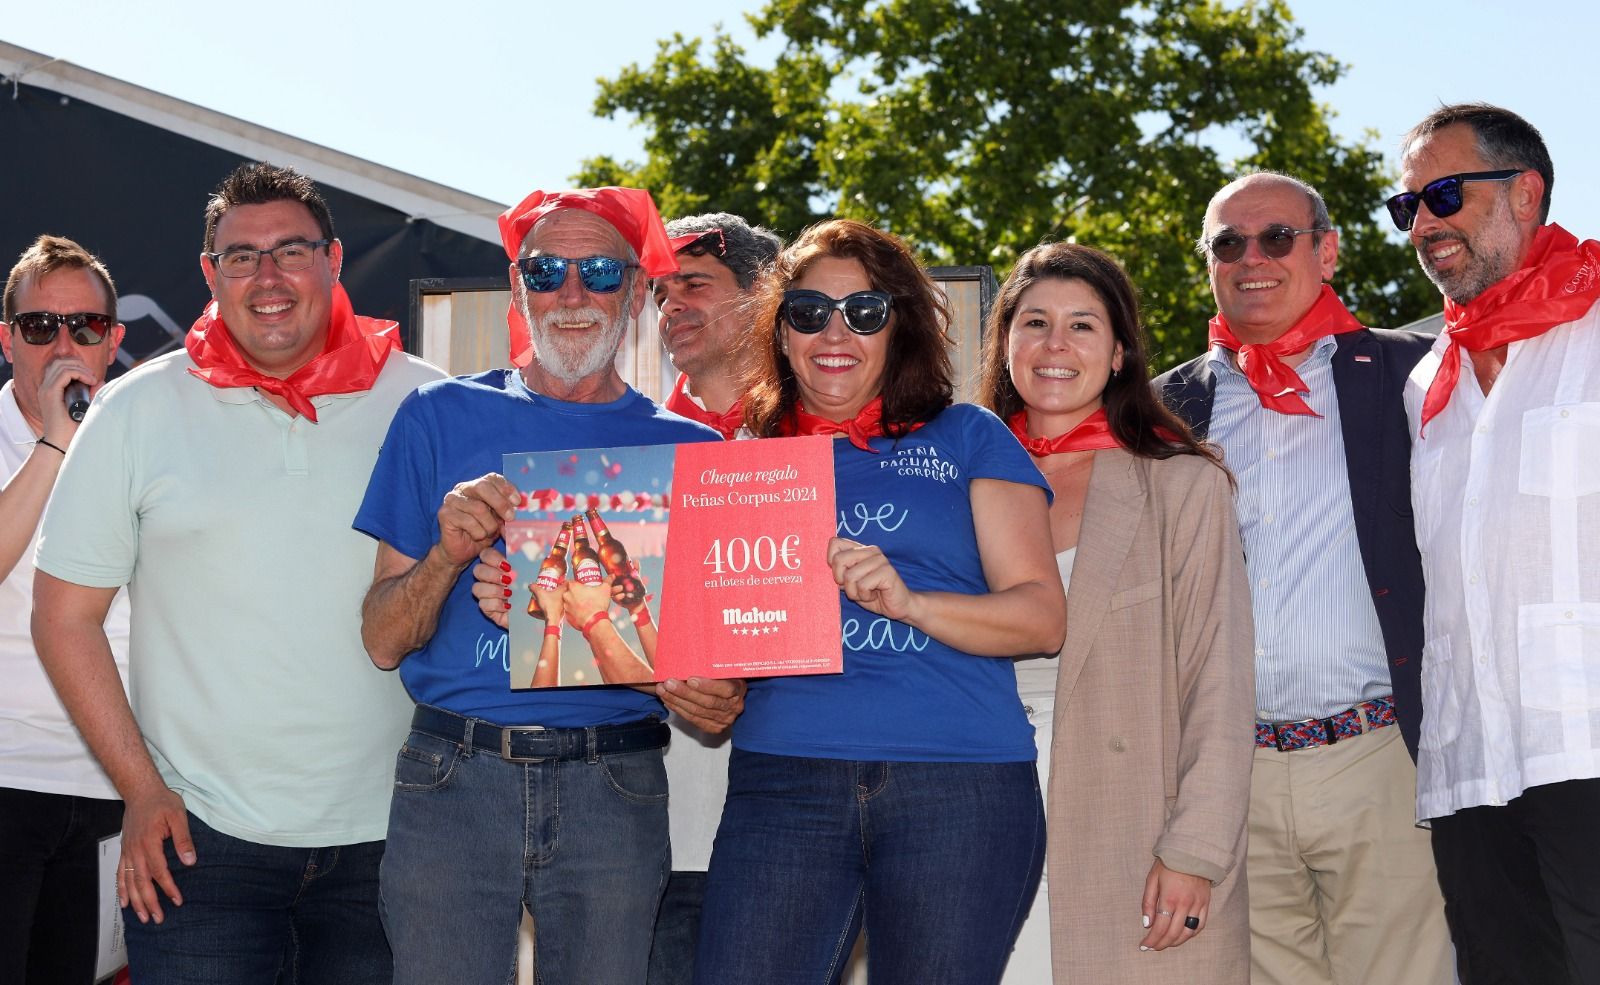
[(977, 128)]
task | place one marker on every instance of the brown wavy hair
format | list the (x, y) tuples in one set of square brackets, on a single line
[(1132, 408), (916, 376)]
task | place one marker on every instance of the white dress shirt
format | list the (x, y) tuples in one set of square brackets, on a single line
[(1506, 489), (1319, 646)]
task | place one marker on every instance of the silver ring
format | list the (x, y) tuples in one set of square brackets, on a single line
[(1164, 913)]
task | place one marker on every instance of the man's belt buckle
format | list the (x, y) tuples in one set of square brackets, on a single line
[(505, 745)]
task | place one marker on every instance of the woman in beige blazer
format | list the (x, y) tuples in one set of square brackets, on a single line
[(1150, 757)]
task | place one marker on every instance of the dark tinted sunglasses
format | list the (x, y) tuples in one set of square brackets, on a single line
[(807, 312), (600, 275), (1275, 242), (1443, 196), (85, 327)]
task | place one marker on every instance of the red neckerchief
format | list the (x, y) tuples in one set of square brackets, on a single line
[(1276, 384), (355, 352), (867, 424), (684, 405), (1559, 282), (1090, 434), (1093, 433)]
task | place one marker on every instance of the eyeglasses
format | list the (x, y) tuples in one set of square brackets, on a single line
[(599, 275), (1275, 242), (865, 312), (85, 327), (1443, 196), (288, 256)]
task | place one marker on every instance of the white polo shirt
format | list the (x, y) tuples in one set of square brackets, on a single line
[(229, 521)]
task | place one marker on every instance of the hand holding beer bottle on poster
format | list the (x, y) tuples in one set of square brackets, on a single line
[(591, 537)]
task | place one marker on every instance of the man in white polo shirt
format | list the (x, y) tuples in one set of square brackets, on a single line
[(218, 484), (56, 804)]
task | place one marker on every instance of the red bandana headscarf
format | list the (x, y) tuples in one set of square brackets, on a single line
[(682, 404), (631, 211), (356, 350), (1275, 383), (1559, 282), (1093, 433), (867, 424)]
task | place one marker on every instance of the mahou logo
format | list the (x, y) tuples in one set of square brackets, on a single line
[(754, 621)]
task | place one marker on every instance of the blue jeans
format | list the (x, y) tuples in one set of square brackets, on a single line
[(474, 838), (939, 861), (50, 871), (259, 914), (677, 930)]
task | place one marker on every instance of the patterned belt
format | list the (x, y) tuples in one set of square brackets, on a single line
[(1287, 736)]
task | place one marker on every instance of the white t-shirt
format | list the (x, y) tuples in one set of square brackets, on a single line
[(39, 748)]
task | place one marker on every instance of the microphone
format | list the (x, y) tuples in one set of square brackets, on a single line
[(77, 397)]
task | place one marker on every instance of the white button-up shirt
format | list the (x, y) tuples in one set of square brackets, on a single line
[(1506, 489)]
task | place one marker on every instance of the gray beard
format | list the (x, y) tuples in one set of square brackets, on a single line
[(569, 358), (1491, 256)]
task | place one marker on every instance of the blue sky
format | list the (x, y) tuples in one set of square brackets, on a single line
[(494, 97)]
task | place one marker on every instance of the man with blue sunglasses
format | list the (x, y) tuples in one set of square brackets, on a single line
[(554, 800), (1505, 413)]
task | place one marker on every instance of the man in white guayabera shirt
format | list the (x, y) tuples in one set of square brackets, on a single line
[(1505, 418)]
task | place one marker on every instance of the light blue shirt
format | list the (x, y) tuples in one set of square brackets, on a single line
[(1319, 648)]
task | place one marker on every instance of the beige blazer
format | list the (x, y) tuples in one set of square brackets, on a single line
[(1154, 724)]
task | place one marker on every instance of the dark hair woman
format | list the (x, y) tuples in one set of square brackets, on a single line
[(900, 794), (1149, 778)]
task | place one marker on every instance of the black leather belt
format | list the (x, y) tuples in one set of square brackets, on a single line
[(535, 743)]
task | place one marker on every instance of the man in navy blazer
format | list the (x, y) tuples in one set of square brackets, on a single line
[(1305, 403)]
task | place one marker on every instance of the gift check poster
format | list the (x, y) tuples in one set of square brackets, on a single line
[(641, 564)]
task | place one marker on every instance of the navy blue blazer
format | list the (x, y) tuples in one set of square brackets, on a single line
[(1369, 373)]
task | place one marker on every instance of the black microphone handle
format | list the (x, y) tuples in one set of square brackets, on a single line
[(77, 397)]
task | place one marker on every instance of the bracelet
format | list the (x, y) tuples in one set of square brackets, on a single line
[(50, 444), (594, 621), (552, 630), (642, 617)]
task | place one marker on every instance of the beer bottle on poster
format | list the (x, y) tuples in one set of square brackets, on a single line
[(553, 571), (615, 558), (585, 562)]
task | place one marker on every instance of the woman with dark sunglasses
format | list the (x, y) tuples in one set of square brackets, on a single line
[(899, 796), (1149, 764)]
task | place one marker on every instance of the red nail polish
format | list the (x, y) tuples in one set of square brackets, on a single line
[(507, 593), (504, 566), (505, 579)]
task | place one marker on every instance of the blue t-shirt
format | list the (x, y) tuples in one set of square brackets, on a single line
[(904, 696), (459, 429)]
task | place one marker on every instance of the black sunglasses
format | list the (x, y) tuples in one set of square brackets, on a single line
[(1443, 196), (865, 312), (85, 327), (599, 275), (1275, 242)]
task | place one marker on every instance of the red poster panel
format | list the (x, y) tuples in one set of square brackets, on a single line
[(747, 590)]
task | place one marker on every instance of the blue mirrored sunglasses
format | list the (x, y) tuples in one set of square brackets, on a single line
[(1443, 196), (600, 275)]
